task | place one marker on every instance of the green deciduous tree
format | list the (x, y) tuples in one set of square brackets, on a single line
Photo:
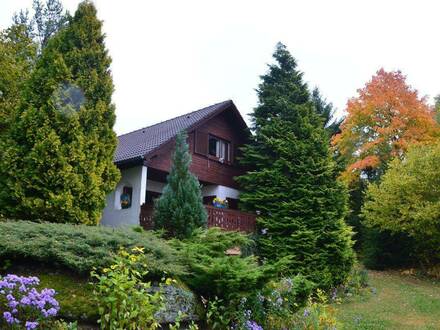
[(407, 200), (292, 180), (48, 18), (180, 208), (58, 165), (437, 108), (383, 120)]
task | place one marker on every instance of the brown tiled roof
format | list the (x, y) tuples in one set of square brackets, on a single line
[(136, 144)]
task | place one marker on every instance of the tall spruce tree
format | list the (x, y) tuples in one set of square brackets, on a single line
[(292, 181), (327, 112), (180, 209), (58, 165)]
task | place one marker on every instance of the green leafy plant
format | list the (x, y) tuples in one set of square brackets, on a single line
[(124, 300), (407, 202), (177, 323), (218, 316), (63, 325), (317, 315), (357, 281)]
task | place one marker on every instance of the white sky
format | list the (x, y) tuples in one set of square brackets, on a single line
[(172, 57)]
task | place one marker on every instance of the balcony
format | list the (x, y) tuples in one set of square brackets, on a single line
[(227, 219)]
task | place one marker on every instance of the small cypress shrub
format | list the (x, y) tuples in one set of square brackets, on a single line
[(180, 208)]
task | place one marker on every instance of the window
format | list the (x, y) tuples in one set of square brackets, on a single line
[(219, 148), (126, 197)]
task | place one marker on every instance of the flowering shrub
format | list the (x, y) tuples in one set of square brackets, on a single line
[(269, 308), (317, 315), (22, 306), (273, 306), (124, 299), (356, 284)]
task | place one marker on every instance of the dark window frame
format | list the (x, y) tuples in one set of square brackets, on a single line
[(228, 146)]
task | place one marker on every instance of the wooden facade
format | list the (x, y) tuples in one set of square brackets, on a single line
[(207, 168), (226, 126)]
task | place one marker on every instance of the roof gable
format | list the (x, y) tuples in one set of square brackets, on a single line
[(135, 145)]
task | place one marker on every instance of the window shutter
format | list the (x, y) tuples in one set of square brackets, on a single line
[(201, 145), (235, 152), (231, 152)]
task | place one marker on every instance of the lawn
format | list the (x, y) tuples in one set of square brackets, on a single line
[(397, 302)]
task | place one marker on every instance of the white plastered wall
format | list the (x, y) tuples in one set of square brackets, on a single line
[(219, 191), (113, 215)]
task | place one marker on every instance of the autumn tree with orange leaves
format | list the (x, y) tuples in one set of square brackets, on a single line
[(383, 120)]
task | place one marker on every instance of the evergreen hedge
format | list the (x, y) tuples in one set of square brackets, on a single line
[(80, 248)]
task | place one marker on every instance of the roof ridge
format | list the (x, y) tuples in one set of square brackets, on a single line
[(186, 114)]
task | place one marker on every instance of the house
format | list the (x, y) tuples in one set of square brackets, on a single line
[(144, 158)]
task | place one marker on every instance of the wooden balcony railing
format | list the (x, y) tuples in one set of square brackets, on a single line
[(232, 220)]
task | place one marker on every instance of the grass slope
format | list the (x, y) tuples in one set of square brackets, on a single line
[(399, 302)]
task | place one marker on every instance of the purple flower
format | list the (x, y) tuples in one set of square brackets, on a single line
[(9, 318), (252, 325), (25, 300), (306, 312), (31, 325), (22, 298), (13, 304), (279, 301)]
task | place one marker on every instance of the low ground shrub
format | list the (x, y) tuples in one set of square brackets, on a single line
[(79, 248), (223, 279), (213, 273)]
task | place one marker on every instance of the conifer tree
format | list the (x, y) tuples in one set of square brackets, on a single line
[(180, 209), (292, 180), (327, 112), (59, 162), (17, 55)]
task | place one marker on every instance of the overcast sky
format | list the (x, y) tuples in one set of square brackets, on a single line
[(172, 57)]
